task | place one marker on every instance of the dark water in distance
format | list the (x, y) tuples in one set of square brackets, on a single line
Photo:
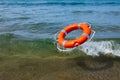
[(43, 18)]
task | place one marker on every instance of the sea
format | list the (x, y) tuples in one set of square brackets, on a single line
[(42, 19)]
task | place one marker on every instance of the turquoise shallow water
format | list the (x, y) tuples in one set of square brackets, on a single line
[(10, 45)]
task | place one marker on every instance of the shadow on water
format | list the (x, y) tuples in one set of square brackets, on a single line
[(96, 63)]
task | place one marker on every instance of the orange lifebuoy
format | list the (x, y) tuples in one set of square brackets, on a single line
[(78, 41)]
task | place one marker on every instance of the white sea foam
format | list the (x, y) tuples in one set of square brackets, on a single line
[(96, 47)]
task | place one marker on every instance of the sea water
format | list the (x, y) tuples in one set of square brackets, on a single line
[(41, 19)]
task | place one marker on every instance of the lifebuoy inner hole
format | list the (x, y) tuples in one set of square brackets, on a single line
[(73, 34)]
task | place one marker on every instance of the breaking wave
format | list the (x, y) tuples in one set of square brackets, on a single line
[(95, 48)]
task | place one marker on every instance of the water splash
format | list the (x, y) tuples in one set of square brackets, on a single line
[(105, 47)]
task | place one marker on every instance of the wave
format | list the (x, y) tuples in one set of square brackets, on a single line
[(24, 35), (95, 48), (58, 3), (113, 13), (107, 28), (87, 11)]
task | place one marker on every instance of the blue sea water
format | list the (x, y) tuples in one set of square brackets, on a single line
[(43, 18)]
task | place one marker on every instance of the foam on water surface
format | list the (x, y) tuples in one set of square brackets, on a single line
[(105, 47)]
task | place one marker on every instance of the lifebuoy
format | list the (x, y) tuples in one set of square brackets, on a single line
[(78, 41)]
